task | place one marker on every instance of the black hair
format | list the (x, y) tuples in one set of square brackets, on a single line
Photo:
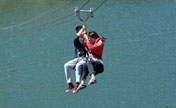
[(93, 34), (78, 28)]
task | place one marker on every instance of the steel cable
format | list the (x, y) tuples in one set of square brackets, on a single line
[(37, 17)]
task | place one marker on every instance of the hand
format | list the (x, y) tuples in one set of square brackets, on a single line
[(84, 32), (84, 27), (100, 43)]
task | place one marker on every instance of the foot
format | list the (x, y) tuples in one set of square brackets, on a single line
[(69, 87), (75, 88), (81, 86), (92, 81)]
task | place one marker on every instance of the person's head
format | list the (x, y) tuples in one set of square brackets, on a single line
[(92, 35), (78, 28)]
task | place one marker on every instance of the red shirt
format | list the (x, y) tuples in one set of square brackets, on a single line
[(95, 48)]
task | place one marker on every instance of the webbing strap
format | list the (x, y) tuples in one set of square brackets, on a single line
[(96, 55)]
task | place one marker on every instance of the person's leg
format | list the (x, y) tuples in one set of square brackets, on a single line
[(91, 72), (85, 74), (78, 73), (68, 69), (79, 69), (98, 67)]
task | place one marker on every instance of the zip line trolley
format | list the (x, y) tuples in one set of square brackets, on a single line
[(89, 14)]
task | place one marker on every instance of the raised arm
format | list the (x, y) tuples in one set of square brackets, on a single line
[(83, 33)]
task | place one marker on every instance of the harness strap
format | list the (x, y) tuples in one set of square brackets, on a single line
[(96, 55)]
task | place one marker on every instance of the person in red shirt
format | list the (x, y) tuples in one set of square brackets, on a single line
[(95, 45)]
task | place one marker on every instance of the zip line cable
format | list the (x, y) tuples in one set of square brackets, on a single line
[(53, 20), (46, 25), (39, 16), (63, 17), (58, 19), (38, 27), (100, 5), (83, 5)]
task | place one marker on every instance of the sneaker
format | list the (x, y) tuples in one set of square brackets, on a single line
[(69, 87), (92, 81), (75, 88), (81, 86)]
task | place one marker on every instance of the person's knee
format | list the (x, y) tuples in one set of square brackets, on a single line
[(78, 66), (66, 65)]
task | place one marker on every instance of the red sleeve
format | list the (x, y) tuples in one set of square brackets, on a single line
[(95, 47)]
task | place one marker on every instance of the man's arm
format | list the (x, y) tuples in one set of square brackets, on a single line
[(83, 33), (80, 33)]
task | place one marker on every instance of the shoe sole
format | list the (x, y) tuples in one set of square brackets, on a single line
[(67, 91), (92, 83), (74, 91), (80, 89)]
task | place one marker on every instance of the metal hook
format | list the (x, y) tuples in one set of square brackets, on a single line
[(89, 13)]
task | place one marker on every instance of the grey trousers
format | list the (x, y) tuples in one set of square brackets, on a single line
[(68, 68)]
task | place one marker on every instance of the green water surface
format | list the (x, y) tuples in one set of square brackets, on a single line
[(139, 54)]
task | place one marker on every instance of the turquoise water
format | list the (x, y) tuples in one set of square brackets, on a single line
[(139, 55)]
